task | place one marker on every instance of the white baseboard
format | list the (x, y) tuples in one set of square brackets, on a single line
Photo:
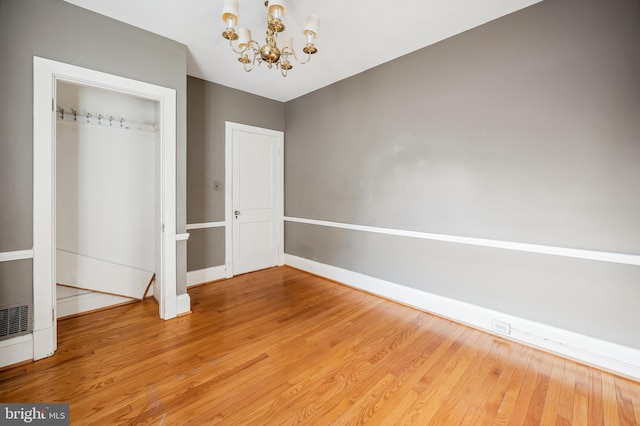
[(34, 346), (86, 302), (183, 304), (44, 342), (201, 276), (15, 350), (598, 353)]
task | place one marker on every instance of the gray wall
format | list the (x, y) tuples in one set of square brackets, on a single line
[(12, 293), (525, 129), (60, 31), (209, 106)]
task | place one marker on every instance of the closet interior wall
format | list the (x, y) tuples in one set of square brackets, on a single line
[(107, 198)]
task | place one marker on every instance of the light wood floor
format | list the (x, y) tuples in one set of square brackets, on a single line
[(282, 347)]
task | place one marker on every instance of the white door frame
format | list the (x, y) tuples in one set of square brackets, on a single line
[(230, 127), (46, 73)]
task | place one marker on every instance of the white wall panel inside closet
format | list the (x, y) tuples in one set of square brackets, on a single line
[(106, 206)]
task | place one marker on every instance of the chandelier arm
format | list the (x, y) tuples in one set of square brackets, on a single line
[(255, 55), (238, 51), (295, 56), (248, 46)]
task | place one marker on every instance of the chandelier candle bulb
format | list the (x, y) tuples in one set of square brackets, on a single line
[(277, 8), (287, 42), (244, 37), (230, 12), (313, 24)]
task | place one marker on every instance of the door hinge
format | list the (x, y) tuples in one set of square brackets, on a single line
[(53, 109)]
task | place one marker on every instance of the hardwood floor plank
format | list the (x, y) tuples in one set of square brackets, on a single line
[(526, 391), (337, 391), (552, 400), (508, 393), (331, 377), (581, 396), (281, 346), (420, 358), (609, 401), (634, 392), (625, 403), (479, 382), (567, 393), (345, 377), (370, 403), (396, 409), (375, 407), (303, 375), (503, 358), (596, 410), (437, 385), (433, 350), (302, 366), (539, 395)]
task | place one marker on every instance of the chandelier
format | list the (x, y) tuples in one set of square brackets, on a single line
[(271, 52)]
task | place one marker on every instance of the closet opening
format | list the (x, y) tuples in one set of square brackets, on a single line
[(104, 195), (107, 198)]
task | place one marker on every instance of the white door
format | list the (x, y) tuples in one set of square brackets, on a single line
[(257, 208)]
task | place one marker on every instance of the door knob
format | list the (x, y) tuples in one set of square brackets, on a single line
[(237, 212)]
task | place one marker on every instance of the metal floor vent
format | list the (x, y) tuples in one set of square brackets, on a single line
[(14, 321)]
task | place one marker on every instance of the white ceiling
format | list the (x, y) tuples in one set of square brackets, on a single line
[(354, 35)]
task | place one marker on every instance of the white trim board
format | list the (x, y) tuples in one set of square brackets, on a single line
[(601, 354), (183, 302), (205, 225), (9, 256), (603, 256), (15, 350), (202, 276)]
